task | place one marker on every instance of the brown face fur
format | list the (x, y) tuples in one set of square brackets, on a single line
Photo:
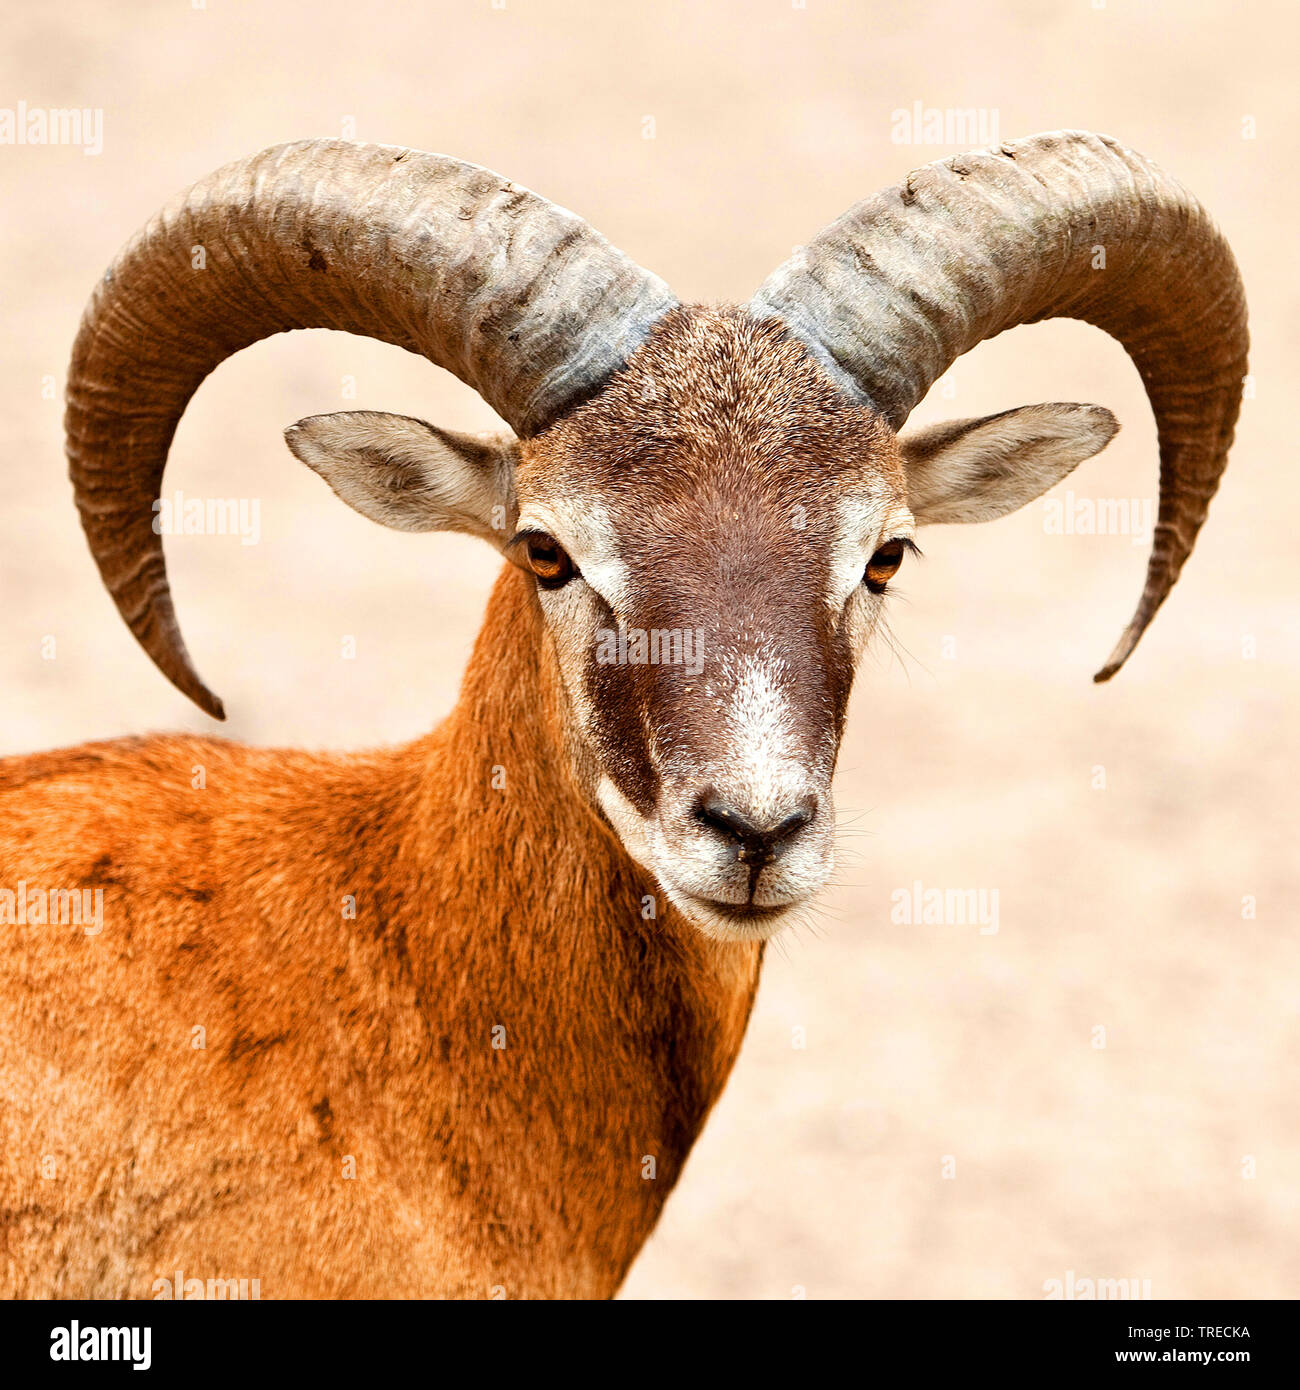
[(740, 497), (702, 534)]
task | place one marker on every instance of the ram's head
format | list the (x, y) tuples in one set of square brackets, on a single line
[(710, 503)]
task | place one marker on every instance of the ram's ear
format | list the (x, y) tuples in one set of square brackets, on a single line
[(978, 470), (410, 475)]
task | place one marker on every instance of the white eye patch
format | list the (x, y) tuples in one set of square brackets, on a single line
[(864, 520), (584, 529)]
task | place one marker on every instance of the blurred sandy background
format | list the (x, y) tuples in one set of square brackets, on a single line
[(969, 761)]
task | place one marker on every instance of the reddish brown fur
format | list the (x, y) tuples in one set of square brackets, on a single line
[(332, 1040), (521, 1169)]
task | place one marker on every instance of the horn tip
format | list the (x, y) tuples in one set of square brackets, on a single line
[(1119, 656), (192, 688), (211, 704)]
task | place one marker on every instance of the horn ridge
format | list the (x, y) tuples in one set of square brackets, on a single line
[(518, 297), (1066, 224)]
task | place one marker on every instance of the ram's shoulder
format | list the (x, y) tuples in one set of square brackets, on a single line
[(178, 790), (125, 767)]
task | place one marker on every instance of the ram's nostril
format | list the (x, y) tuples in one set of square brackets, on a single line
[(757, 839), (724, 818), (793, 823)]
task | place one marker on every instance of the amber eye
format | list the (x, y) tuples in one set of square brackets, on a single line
[(548, 560), (883, 565)]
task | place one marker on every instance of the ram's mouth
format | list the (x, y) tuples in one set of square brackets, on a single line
[(747, 911), (734, 921)]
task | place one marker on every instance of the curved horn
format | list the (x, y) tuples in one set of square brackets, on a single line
[(519, 298), (1062, 225)]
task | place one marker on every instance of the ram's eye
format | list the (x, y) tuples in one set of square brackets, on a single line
[(548, 560), (883, 565)]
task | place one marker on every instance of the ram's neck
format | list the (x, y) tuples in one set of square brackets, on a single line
[(567, 988), (498, 800)]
